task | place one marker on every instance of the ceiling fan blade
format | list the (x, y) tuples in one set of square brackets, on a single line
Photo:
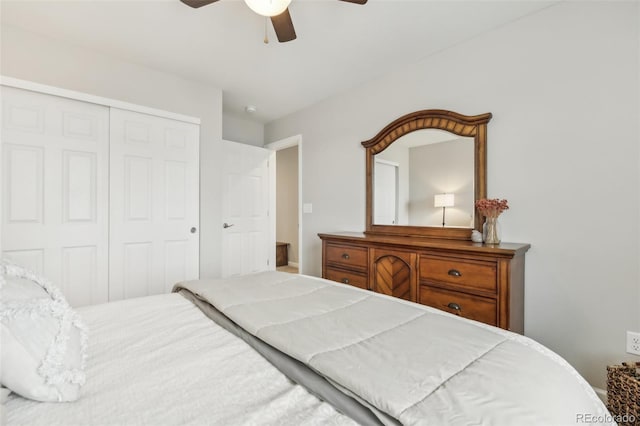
[(356, 1), (284, 27), (197, 3)]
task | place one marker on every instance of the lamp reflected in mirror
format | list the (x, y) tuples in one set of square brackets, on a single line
[(444, 201)]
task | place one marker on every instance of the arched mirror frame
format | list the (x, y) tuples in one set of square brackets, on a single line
[(462, 125)]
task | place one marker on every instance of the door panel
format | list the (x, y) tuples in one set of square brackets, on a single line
[(29, 259), (138, 269), (246, 244), (385, 196), (392, 277), (24, 180), (54, 191), (79, 268), (176, 253), (79, 186), (138, 188), (176, 189), (394, 273), (154, 187)]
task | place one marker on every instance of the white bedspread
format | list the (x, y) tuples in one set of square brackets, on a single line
[(159, 361), (414, 363)]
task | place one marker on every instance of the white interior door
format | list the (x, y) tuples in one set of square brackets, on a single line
[(385, 193), (154, 204), (248, 235), (55, 191)]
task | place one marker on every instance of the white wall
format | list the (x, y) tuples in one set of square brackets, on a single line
[(31, 57), (242, 129), (440, 168), (563, 87), (287, 199)]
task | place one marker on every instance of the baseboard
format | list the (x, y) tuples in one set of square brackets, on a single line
[(293, 264), (602, 394)]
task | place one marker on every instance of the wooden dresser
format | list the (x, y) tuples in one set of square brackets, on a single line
[(484, 283)]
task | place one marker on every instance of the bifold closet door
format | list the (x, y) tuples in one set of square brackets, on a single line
[(154, 204), (55, 191)]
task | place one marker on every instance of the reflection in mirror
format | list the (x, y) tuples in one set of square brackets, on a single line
[(409, 174), (402, 205)]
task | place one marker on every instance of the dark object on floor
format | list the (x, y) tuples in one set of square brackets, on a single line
[(282, 254)]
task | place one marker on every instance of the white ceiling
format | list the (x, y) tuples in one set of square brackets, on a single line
[(339, 45)]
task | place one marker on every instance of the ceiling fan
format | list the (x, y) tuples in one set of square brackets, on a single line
[(277, 10)]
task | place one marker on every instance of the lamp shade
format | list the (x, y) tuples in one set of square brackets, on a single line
[(443, 200), (268, 7)]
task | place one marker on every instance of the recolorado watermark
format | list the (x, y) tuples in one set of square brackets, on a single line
[(608, 418)]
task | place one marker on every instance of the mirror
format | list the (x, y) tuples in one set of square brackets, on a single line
[(412, 174), (425, 171)]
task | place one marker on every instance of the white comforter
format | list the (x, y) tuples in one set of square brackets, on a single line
[(416, 364), (159, 361)]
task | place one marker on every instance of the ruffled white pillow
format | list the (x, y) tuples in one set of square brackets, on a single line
[(44, 341)]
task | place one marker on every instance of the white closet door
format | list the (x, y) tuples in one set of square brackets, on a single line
[(55, 191), (154, 204)]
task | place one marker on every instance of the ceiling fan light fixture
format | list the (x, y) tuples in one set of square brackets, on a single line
[(268, 7)]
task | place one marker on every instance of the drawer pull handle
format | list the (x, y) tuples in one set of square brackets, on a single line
[(454, 273), (454, 306), (345, 256), (345, 280)]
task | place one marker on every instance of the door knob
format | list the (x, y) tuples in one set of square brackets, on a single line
[(226, 225), (193, 230)]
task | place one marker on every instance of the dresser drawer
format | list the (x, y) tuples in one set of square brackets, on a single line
[(347, 255), (469, 274), (345, 277), (473, 307)]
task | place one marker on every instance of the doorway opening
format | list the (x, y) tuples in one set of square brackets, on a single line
[(288, 212)]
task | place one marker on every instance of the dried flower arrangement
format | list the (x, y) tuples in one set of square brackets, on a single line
[(491, 207)]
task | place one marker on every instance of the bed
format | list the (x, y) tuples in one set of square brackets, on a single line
[(276, 348)]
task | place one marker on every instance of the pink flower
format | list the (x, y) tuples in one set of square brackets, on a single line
[(491, 207)]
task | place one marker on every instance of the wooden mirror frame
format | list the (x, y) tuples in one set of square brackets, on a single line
[(462, 125)]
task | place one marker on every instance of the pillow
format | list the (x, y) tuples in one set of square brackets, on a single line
[(44, 342)]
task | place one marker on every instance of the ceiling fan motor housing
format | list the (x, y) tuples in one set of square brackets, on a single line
[(277, 10)]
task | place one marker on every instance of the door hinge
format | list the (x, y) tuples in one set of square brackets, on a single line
[(267, 262)]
